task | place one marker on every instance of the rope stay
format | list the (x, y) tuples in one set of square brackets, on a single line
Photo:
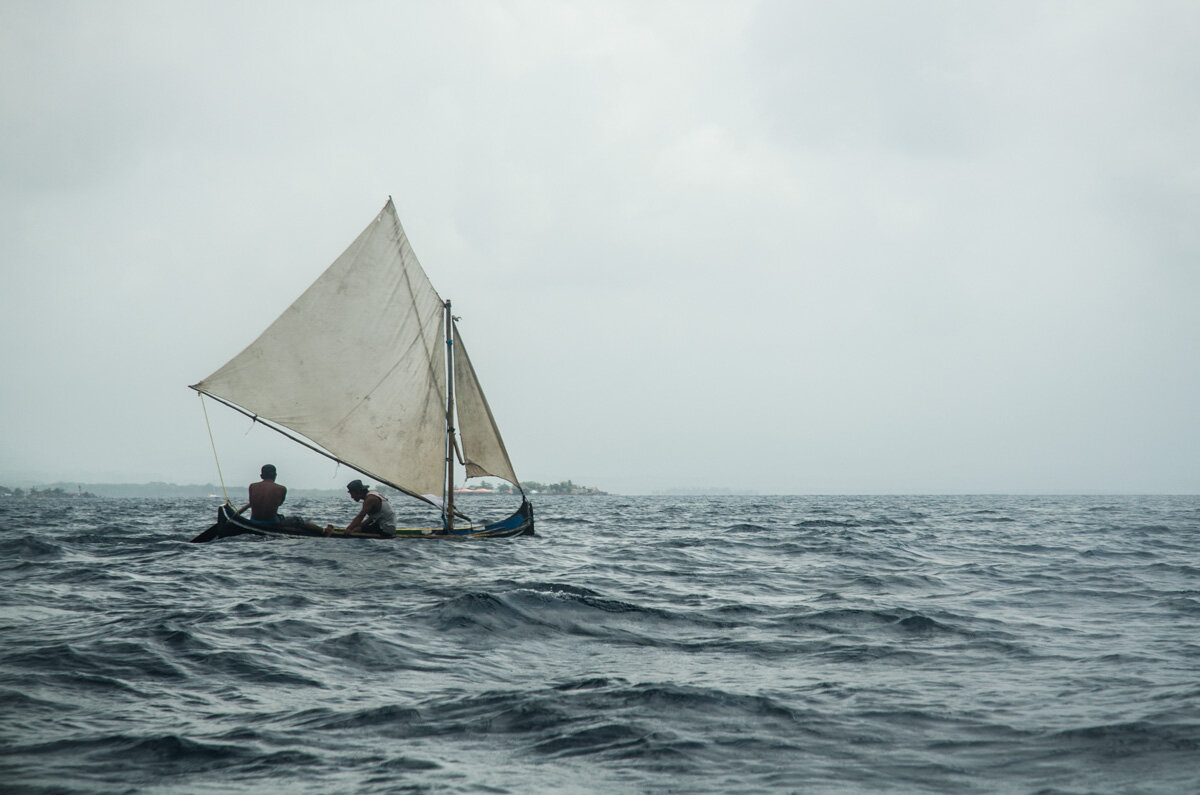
[(213, 442)]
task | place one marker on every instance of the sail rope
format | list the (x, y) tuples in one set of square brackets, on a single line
[(268, 424), (213, 442)]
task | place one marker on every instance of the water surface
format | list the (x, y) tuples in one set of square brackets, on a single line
[(650, 644)]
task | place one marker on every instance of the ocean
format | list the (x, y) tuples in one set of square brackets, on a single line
[(636, 644)]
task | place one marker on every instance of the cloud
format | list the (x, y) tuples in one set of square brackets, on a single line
[(790, 247)]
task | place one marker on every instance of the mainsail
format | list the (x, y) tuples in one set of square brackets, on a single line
[(357, 364)]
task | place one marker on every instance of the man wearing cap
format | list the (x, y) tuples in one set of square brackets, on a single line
[(375, 517)]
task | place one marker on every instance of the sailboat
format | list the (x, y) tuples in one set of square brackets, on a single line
[(368, 368)]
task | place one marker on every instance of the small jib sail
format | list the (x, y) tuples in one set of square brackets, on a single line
[(369, 366)]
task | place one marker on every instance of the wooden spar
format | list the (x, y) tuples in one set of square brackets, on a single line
[(449, 510)]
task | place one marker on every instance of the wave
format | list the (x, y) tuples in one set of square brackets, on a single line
[(808, 524), (745, 527), (397, 720), (1126, 739), (563, 611), (26, 549), (726, 644), (138, 759)]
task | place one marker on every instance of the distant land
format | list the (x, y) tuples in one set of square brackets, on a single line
[(534, 487), (715, 491), (177, 491), (166, 490)]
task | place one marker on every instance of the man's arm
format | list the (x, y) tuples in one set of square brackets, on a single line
[(250, 490), (358, 520)]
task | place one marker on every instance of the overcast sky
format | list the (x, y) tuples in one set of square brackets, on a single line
[(790, 247)]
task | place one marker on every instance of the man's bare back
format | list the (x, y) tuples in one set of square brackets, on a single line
[(265, 498)]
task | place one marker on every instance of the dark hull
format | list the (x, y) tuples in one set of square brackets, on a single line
[(230, 524)]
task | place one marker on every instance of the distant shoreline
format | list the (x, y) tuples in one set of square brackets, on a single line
[(76, 490)]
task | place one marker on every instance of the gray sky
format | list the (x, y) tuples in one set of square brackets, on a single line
[(783, 246)]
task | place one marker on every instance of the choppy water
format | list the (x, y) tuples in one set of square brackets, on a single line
[(912, 644)]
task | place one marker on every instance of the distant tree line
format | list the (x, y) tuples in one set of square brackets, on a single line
[(173, 491), (562, 487), (5, 491)]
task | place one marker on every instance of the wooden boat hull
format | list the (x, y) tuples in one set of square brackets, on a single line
[(229, 523)]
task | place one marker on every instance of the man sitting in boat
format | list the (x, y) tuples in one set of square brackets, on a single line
[(265, 498), (375, 517)]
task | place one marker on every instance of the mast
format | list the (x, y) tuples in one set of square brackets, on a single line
[(448, 517)]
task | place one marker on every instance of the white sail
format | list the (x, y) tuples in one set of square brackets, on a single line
[(357, 363), (482, 446)]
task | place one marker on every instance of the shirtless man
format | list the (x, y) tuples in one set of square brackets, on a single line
[(266, 496)]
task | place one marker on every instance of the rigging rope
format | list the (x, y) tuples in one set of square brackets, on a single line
[(214, 445)]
